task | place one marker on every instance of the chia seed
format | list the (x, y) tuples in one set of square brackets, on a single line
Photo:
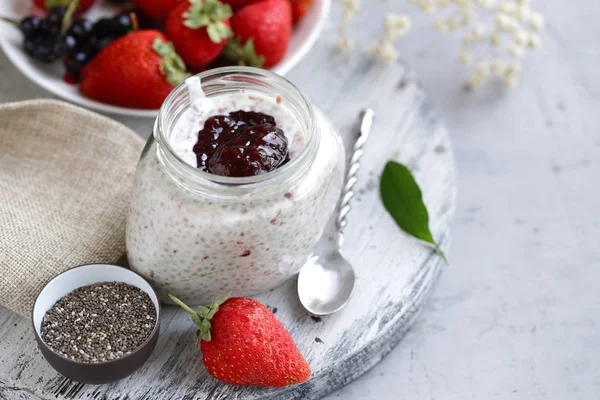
[(100, 322)]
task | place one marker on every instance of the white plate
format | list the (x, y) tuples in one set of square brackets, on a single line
[(50, 76)]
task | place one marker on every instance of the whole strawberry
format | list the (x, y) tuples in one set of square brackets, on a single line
[(137, 70), (244, 344), (156, 10), (45, 5), (262, 33), (199, 30)]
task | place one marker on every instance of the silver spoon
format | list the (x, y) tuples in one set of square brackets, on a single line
[(326, 281)]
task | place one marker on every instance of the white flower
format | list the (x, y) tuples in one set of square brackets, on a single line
[(496, 39), (537, 21), (347, 16), (345, 43), (475, 81), (521, 38), (499, 66), (516, 50), (453, 24), (486, 3), (510, 74), (509, 8), (397, 25), (534, 41), (351, 5), (478, 32), (502, 21), (441, 25), (523, 12), (483, 68), (385, 51), (464, 57), (427, 6)]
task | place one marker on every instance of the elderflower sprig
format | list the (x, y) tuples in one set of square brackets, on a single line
[(512, 30), (396, 26), (496, 34)]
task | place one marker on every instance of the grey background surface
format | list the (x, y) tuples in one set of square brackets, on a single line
[(515, 315)]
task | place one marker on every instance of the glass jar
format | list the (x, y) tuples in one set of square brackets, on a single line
[(198, 235)]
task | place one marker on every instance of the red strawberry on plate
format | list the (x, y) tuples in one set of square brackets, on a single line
[(238, 3), (84, 5), (300, 8), (262, 33), (157, 10), (244, 344), (199, 29), (137, 70)]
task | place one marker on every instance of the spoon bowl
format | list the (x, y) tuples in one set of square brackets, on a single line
[(326, 283)]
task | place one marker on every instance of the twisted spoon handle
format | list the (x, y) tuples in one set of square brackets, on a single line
[(367, 116)]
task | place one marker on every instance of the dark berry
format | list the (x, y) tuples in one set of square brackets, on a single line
[(81, 29), (29, 46), (76, 61), (47, 30), (102, 42), (256, 150), (64, 45), (122, 24), (104, 27), (41, 49), (55, 16), (30, 26)]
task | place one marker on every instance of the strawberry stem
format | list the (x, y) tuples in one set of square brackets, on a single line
[(66, 22), (135, 25), (9, 21), (182, 304), (202, 317)]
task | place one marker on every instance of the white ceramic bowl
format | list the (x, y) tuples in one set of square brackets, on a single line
[(49, 77)]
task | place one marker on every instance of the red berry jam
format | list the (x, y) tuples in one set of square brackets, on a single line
[(243, 143)]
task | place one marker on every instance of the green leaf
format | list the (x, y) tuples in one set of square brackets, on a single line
[(171, 66), (204, 314), (402, 198), (243, 54), (205, 330)]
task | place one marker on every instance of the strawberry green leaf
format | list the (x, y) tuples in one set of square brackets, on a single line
[(202, 317), (171, 66), (210, 14), (205, 330), (402, 198), (243, 54)]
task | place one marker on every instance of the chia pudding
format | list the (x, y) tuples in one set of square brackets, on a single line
[(199, 235)]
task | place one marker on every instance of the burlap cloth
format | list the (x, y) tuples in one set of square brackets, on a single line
[(65, 181)]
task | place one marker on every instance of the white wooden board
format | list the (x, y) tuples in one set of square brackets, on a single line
[(395, 272)]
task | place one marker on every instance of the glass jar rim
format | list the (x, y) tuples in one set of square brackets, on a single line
[(189, 172)]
